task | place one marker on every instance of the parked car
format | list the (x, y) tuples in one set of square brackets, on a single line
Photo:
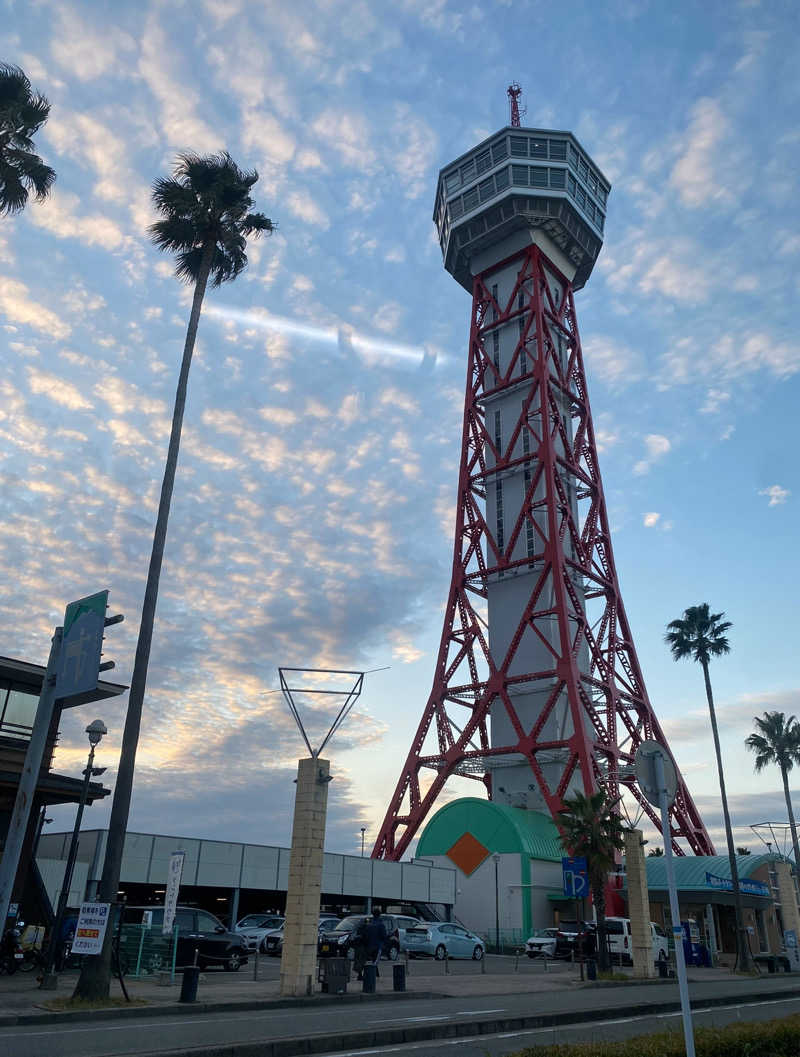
[(255, 927), (567, 937), (620, 941), (338, 942), (444, 939), (272, 942), (542, 943), (197, 931), (402, 924)]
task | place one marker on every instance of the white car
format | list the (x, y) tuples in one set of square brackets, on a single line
[(542, 944), (620, 941), (255, 927)]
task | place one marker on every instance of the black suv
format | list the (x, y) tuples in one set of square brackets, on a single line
[(338, 943), (197, 930)]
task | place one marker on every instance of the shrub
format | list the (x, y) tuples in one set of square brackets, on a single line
[(770, 1038)]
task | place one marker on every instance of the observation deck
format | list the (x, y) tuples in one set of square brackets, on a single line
[(521, 179)]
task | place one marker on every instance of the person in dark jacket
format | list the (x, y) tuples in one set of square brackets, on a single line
[(375, 938), (359, 945)]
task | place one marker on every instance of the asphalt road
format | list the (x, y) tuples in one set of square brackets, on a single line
[(160, 1034), (612, 1030)]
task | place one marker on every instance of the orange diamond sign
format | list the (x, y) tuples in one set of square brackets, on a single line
[(467, 853)]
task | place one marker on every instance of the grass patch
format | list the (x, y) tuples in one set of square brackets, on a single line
[(67, 1004), (611, 975), (769, 1038)]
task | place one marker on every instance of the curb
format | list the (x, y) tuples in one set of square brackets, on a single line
[(354, 1040), (50, 1016)]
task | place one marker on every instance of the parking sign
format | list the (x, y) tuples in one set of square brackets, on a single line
[(575, 877)]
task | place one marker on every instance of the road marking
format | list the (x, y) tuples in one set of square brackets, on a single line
[(438, 1016), (549, 1031)]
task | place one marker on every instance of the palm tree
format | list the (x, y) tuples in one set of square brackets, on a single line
[(22, 114), (778, 742), (205, 221), (591, 827), (700, 634)]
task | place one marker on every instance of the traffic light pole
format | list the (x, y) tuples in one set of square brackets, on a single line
[(28, 781)]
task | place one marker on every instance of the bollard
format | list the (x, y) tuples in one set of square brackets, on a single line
[(446, 963), (191, 975), (405, 959), (544, 958), (663, 968), (591, 969), (483, 964), (370, 974), (255, 964), (398, 977), (516, 960)]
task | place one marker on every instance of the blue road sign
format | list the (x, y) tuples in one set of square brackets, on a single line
[(575, 877), (81, 646)]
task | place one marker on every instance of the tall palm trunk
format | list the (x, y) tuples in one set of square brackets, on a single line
[(792, 825), (95, 975), (599, 897), (743, 954)]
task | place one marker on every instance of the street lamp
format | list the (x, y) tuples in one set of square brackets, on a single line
[(95, 732), (496, 858), (363, 831)]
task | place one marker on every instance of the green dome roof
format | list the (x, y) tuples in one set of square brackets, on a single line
[(499, 828)]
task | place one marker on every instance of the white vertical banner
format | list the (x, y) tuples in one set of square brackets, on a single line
[(174, 875)]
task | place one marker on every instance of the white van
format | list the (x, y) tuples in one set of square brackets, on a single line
[(620, 943)]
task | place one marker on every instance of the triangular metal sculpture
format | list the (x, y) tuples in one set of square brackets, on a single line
[(350, 697)]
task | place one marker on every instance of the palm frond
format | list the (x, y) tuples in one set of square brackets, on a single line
[(13, 193), (176, 233)]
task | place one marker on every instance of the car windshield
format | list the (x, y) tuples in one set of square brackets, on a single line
[(259, 921), (348, 924)]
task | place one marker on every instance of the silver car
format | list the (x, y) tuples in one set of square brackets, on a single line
[(255, 927), (273, 941), (443, 939)]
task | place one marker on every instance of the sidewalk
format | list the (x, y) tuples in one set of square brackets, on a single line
[(21, 1001)]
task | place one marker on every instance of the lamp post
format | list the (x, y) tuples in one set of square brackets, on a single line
[(363, 831), (95, 731), (496, 858)]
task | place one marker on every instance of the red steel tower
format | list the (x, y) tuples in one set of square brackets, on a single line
[(537, 691)]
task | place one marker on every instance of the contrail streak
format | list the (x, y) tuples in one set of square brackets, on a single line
[(345, 338)]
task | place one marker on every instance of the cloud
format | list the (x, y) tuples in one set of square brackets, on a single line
[(777, 495), (58, 216), (697, 174), (303, 206), (651, 519), (17, 305), (657, 447), (85, 49), (57, 389), (612, 361)]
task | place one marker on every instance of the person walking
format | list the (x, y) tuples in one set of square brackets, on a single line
[(360, 948), (375, 937)]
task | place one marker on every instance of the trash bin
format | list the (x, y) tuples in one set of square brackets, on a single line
[(334, 975), (370, 975), (399, 977), (191, 976), (591, 969)]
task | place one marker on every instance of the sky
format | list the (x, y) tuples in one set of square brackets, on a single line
[(312, 518)]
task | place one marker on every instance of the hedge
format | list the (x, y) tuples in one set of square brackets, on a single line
[(769, 1038)]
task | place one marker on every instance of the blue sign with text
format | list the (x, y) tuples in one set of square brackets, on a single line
[(575, 877)]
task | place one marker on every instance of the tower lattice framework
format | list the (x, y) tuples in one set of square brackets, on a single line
[(560, 541)]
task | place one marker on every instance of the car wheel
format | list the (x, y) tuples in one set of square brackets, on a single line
[(477, 954), (531, 954), (440, 953), (233, 962), (393, 952)]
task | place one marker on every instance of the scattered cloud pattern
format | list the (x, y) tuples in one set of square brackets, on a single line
[(312, 518)]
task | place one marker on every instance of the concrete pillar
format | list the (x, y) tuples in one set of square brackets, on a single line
[(788, 898), (638, 904), (299, 957), (234, 907)]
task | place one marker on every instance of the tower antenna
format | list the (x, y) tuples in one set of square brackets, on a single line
[(514, 92)]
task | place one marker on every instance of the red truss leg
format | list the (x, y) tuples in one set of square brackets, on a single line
[(563, 520)]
